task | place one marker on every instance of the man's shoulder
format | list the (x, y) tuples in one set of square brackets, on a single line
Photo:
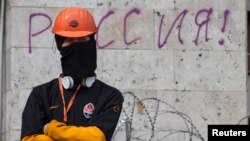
[(43, 90), (109, 90), (46, 85), (106, 86)]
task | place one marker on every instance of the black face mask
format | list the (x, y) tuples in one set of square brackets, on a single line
[(78, 59)]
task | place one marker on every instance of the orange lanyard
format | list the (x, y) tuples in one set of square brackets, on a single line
[(65, 110)]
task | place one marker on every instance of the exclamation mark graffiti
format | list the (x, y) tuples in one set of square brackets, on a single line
[(226, 13)]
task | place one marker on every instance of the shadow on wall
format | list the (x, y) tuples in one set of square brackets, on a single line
[(248, 98), (248, 59)]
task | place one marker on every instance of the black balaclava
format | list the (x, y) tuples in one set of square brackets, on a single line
[(78, 59)]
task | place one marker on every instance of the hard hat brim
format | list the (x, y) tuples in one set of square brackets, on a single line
[(73, 34)]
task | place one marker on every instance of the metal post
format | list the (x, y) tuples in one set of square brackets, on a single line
[(128, 129)]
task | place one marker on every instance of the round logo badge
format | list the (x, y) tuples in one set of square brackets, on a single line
[(73, 23), (88, 110)]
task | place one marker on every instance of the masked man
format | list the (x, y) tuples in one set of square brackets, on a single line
[(76, 106)]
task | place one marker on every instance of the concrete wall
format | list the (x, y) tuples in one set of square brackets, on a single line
[(181, 64)]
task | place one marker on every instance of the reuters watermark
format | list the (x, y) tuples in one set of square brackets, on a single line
[(236, 132)]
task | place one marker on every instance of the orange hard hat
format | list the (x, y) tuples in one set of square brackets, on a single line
[(74, 22)]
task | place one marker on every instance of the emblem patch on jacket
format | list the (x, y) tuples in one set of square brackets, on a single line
[(88, 110)]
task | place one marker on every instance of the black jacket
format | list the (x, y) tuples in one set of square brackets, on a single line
[(45, 103)]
